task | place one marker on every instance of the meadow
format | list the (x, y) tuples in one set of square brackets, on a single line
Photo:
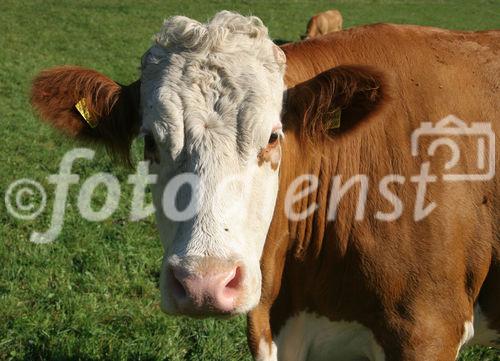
[(93, 293)]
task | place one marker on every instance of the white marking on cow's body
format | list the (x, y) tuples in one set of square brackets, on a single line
[(307, 337), (467, 335), (483, 335), (468, 332), (267, 352)]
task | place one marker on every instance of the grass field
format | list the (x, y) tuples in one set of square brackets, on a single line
[(93, 294)]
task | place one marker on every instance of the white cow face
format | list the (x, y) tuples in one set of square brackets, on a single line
[(211, 101)]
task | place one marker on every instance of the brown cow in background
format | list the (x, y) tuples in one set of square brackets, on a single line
[(324, 23)]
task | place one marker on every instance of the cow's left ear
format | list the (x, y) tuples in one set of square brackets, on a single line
[(87, 105), (336, 100)]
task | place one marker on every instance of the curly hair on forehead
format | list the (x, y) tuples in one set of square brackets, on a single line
[(226, 31)]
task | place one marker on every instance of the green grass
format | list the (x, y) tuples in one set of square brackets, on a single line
[(93, 294)]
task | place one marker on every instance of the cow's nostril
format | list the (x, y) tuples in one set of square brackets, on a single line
[(209, 290), (235, 282)]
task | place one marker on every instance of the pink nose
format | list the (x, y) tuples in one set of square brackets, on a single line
[(215, 292)]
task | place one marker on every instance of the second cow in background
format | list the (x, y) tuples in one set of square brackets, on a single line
[(323, 23)]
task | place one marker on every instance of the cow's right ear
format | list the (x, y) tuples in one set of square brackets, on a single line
[(87, 105)]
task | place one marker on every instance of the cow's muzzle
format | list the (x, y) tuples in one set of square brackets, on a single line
[(205, 286)]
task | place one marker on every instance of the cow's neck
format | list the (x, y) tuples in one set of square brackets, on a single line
[(297, 242), (319, 161), (293, 244)]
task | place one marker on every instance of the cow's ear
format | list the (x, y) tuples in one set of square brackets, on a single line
[(87, 105), (336, 100)]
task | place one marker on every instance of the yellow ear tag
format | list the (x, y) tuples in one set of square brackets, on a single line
[(82, 108), (334, 121)]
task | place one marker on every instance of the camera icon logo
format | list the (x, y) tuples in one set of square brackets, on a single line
[(446, 133)]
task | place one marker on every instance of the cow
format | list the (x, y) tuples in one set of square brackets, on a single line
[(323, 23), (278, 161)]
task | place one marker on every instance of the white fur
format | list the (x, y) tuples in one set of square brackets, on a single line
[(267, 352), (309, 337), (211, 95), (467, 335)]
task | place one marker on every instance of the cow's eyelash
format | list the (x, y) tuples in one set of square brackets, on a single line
[(151, 151), (273, 138)]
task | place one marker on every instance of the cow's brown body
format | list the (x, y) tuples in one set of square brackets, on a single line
[(324, 23), (414, 284)]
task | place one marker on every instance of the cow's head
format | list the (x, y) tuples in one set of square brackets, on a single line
[(210, 103)]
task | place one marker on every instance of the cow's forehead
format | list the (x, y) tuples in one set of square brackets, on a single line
[(215, 89)]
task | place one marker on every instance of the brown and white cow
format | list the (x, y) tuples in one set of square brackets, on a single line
[(284, 238), (323, 23)]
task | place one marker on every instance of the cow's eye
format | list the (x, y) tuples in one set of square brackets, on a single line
[(150, 149), (273, 138)]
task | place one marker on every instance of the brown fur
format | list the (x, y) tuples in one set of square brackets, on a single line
[(414, 284), (115, 108), (324, 23)]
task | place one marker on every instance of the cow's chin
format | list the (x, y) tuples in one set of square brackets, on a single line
[(172, 310), (248, 300)]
